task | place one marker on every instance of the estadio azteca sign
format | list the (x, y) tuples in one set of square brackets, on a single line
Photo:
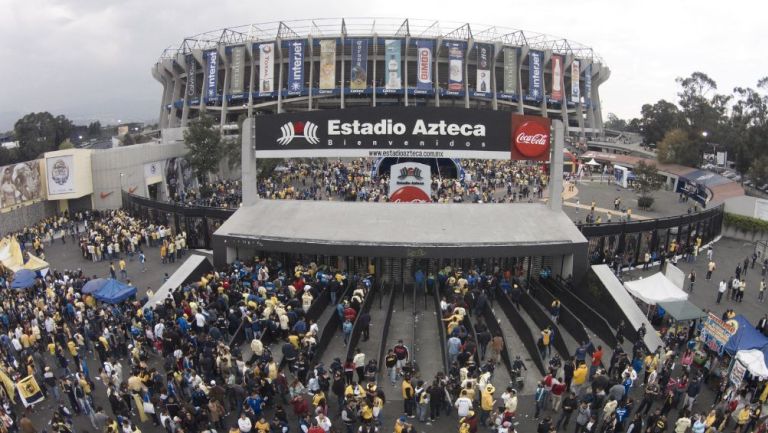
[(410, 182), (425, 132)]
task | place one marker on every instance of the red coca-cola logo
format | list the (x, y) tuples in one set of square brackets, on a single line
[(410, 194), (532, 139)]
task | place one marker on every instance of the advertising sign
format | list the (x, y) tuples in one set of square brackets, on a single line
[(423, 67), (557, 77), (715, 333), (410, 182), (295, 67), (61, 175), (510, 70), (212, 74), (535, 75), (588, 84), (238, 74), (531, 136), (21, 183), (266, 68), (455, 67), (358, 67), (191, 77), (737, 374), (393, 78), (575, 91), (484, 58), (153, 172), (328, 64)]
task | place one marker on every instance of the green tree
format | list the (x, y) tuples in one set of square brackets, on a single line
[(677, 147), (40, 132), (647, 179), (615, 123), (94, 129), (658, 119), (758, 170), (66, 144), (203, 140)]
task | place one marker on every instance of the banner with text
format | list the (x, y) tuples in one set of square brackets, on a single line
[(484, 59), (410, 182), (296, 67), (21, 183), (715, 333), (237, 80), (423, 66), (61, 175), (328, 64), (510, 71), (191, 78), (211, 74), (575, 91), (588, 84), (455, 67), (557, 77), (535, 75), (358, 67), (392, 59), (266, 68)]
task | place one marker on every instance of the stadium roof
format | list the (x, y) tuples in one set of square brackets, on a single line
[(402, 230)]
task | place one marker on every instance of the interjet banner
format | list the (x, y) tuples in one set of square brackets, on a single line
[(510, 70), (423, 67), (393, 64), (266, 68), (484, 58), (410, 182), (191, 77), (575, 91), (295, 67), (455, 67), (557, 77), (535, 74), (212, 74), (238, 73), (358, 67), (328, 64), (588, 84)]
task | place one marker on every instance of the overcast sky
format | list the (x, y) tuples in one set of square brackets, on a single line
[(91, 59)]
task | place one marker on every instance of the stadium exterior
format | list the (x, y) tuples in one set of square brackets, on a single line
[(295, 66)]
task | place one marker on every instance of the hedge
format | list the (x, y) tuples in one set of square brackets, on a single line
[(745, 224)]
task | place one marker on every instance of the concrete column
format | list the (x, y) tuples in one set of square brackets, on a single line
[(436, 75), (343, 76), (279, 87), (249, 168), (251, 78), (470, 44), (520, 97), (375, 58), (564, 101), (185, 107), (497, 49), (405, 70), (198, 55), (173, 121), (544, 62), (225, 88), (556, 167), (311, 54), (167, 95), (163, 118)]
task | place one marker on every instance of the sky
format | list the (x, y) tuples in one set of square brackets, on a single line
[(91, 59)]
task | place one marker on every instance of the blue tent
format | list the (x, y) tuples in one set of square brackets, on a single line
[(114, 292), (23, 279), (94, 285), (746, 337)]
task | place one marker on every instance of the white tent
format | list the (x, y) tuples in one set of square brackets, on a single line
[(754, 361), (592, 162), (654, 289)]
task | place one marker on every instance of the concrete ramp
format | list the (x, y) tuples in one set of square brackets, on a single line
[(192, 269)]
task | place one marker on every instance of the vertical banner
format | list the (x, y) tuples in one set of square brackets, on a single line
[(327, 64), (238, 76), (455, 67), (212, 74), (191, 77), (484, 58), (535, 75), (557, 78), (295, 67), (266, 68), (410, 182), (423, 67), (588, 84), (393, 63), (61, 174), (575, 91), (510, 71), (358, 67)]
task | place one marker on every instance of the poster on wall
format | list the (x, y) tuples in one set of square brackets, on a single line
[(588, 84), (212, 74), (266, 68), (61, 175), (575, 91), (153, 172), (179, 177), (423, 67), (327, 64), (358, 66), (21, 183), (238, 76), (484, 58), (535, 73), (455, 67), (191, 77), (557, 78), (393, 77), (510, 71), (410, 182), (295, 67)]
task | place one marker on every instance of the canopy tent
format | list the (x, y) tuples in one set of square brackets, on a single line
[(94, 285), (592, 162), (754, 361), (746, 337), (682, 310), (654, 289), (114, 292), (13, 259), (23, 279)]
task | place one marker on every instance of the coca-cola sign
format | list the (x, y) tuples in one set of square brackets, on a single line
[(530, 138)]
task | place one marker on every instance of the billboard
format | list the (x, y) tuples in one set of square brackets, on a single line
[(588, 84), (153, 172), (510, 70), (327, 64), (423, 67), (455, 67), (535, 75), (393, 77), (410, 182), (557, 77), (266, 68), (715, 333), (212, 74), (237, 79), (191, 77), (484, 59), (427, 132), (575, 91), (358, 66), (21, 183), (295, 67), (61, 175)]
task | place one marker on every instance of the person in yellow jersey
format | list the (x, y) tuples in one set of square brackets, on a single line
[(123, 271)]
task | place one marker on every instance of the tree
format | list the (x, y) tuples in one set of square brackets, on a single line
[(203, 140), (66, 144), (615, 123), (758, 170), (658, 119), (677, 147), (94, 129), (647, 179), (704, 110), (40, 132)]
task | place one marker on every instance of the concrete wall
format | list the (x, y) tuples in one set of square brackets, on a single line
[(17, 219), (744, 205)]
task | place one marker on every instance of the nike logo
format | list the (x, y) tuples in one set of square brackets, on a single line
[(104, 195), (131, 190)]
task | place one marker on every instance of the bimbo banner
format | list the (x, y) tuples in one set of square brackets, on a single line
[(455, 67), (535, 75), (266, 68), (358, 67), (295, 67), (410, 182), (328, 64), (392, 61), (484, 59), (191, 77), (423, 67), (588, 84), (557, 77), (510, 71), (575, 91), (237, 79), (211, 74)]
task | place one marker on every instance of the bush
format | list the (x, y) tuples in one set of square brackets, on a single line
[(745, 224), (645, 202)]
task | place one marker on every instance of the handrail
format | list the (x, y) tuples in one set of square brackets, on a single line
[(521, 328), (385, 329), (356, 327), (413, 330), (441, 329), (471, 329), (543, 320), (493, 325), (333, 325)]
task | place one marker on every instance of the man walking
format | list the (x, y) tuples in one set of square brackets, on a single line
[(711, 266), (722, 288)]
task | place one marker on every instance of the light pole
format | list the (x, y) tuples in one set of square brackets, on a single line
[(122, 175)]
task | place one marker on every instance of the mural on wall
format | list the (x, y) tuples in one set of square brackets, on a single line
[(21, 183)]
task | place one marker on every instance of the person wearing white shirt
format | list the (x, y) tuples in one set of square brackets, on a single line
[(463, 404), (200, 320), (721, 289), (324, 422), (159, 329), (244, 423)]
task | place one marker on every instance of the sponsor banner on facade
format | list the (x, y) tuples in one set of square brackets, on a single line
[(531, 136), (588, 84), (327, 64), (455, 67), (153, 172), (535, 75), (237, 80), (575, 91), (191, 78), (266, 68), (484, 59), (211, 74), (21, 183), (557, 77), (296, 51), (410, 182), (358, 66), (510, 71), (61, 175), (393, 76), (423, 67)]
